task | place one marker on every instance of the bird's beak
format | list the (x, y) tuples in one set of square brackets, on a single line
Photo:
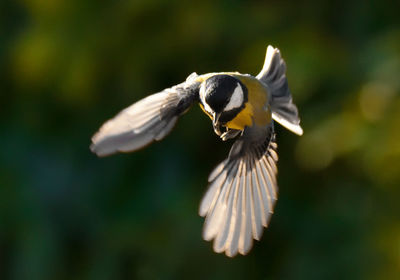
[(216, 123)]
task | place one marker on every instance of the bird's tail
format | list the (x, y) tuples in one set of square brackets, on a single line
[(273, 75)]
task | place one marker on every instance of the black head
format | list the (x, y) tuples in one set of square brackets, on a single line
[(224, 95)]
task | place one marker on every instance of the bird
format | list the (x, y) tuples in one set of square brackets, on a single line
[(242, 190)]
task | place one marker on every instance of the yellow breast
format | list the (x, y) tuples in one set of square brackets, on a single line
[(243, 119)]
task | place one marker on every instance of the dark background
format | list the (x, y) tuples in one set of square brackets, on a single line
[(67, 66)]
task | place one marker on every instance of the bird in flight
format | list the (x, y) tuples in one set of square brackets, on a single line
[(243, 188)]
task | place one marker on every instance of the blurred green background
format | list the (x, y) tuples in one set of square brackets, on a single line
[(67, 66)]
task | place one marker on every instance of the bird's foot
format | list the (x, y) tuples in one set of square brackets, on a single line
[(229, 134)]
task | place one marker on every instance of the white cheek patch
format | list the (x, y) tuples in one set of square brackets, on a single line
[(236, 100), (203, 99)]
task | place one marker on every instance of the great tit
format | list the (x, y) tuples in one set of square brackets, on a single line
[(243, 188)]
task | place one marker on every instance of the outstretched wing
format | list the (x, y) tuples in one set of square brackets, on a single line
[(273, 74), (149, 119), (242, 192)]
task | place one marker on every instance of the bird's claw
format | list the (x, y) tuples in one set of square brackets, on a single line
[(229, 134)]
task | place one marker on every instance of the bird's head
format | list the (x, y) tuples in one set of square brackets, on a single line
[(223, 97)]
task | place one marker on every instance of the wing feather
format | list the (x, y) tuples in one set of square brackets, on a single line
[(256, 209), (269, 186), (246, 234), (273, 75), (261, 195), (265, 196), (149, 119), (212, 193), (234, 226), (219, 205), (228, 216), (241, 194)]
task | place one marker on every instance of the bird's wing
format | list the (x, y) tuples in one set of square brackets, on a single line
[(242, 192), (273, 74), (149, 119)]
